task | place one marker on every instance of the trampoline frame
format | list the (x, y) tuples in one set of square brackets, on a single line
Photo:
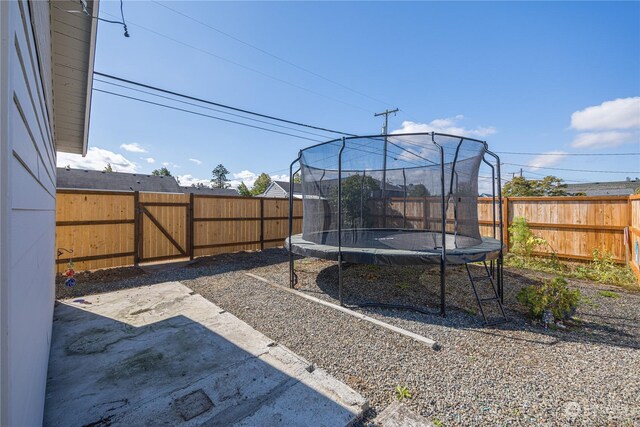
[(495, 270)]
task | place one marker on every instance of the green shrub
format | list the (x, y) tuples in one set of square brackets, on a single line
[(553, 295), (523, 241)]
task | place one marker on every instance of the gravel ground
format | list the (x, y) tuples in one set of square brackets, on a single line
[(514, 374)]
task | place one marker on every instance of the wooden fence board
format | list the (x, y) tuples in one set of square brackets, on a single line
[(634, 234), (101, 226)]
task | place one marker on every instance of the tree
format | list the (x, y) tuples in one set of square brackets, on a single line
[(219, 179), (261, 184), (244, 190), (418, 190), (297, 179), (199, 185), (161, 172), (108, 168), (356, 193), (547, 186)]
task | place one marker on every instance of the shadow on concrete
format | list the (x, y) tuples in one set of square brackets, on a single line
[(178, 371), (111, 279)]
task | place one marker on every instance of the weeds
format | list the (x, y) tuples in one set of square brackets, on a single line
[(609, 294), (402, 392), (602, 268)]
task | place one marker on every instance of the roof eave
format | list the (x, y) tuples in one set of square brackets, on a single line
[(90, 67), (64, 112)]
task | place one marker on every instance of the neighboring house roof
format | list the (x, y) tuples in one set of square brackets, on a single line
[(211, 191), (73, 43), (612, 188), (281, 189), (115, 181)]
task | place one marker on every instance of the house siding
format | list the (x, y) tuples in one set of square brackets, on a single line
[(275, 190), (27, 235)]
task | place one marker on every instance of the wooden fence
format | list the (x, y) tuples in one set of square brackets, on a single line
[(573, 226), (633, 238), (109, 229)]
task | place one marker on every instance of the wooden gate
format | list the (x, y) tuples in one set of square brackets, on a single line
[(162, 226)]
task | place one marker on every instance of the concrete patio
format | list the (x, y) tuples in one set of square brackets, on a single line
[(163, 355)]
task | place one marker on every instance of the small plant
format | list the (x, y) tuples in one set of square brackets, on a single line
[(402, 392), (603, 269), (553, 297), (523, 241), (609, 294), (403, 285), (437, 422)]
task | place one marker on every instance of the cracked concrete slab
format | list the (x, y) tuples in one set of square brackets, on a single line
[(162, 355)]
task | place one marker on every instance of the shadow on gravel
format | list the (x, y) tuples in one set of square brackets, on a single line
[(113, 279), (419, 287)]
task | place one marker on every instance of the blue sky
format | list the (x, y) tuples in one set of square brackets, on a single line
[(543, 77)]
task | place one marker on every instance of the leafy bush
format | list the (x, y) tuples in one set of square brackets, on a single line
[(553, 295)]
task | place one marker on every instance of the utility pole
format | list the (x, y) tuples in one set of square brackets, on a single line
[(385, 130)]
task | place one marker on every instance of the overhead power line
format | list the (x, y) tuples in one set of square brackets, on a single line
[(204, 115), (217, 104), (567, 169), (246, 67), (266, 52), (568, 154), (208, 108)]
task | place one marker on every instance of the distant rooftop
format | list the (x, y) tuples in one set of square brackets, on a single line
[(115, 181), (611, 188), (211, 191)]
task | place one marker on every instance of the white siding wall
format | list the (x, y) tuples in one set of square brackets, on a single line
[(27, 185), (275, 191)]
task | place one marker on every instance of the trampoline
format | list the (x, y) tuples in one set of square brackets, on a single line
[(399, 199)]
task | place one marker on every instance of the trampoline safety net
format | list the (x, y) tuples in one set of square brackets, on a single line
[(390, 188)]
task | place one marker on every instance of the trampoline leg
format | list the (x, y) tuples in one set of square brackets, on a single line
[(340, 278), (442, 288)]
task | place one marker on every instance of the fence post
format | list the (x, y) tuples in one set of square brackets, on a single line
[(136, 228), (505, 222), (190, 224), (261, 224)]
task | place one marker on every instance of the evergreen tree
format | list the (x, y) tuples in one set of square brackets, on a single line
[(219, 179)]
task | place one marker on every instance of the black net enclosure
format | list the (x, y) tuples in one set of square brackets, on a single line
[(395, 199)]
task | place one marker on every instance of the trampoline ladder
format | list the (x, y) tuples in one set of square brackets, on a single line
[(481, 300)]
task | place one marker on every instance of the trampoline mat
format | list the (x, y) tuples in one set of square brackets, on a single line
[(393, 247)]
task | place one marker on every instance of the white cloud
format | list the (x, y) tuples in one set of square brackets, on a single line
[(549, 158), (623, 113), (249, 177), (169, 164), (188, 180), (196, 161), (133, 147), (448, 125), (97, 159), (604, 139), (610, 124), (148, 159)]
